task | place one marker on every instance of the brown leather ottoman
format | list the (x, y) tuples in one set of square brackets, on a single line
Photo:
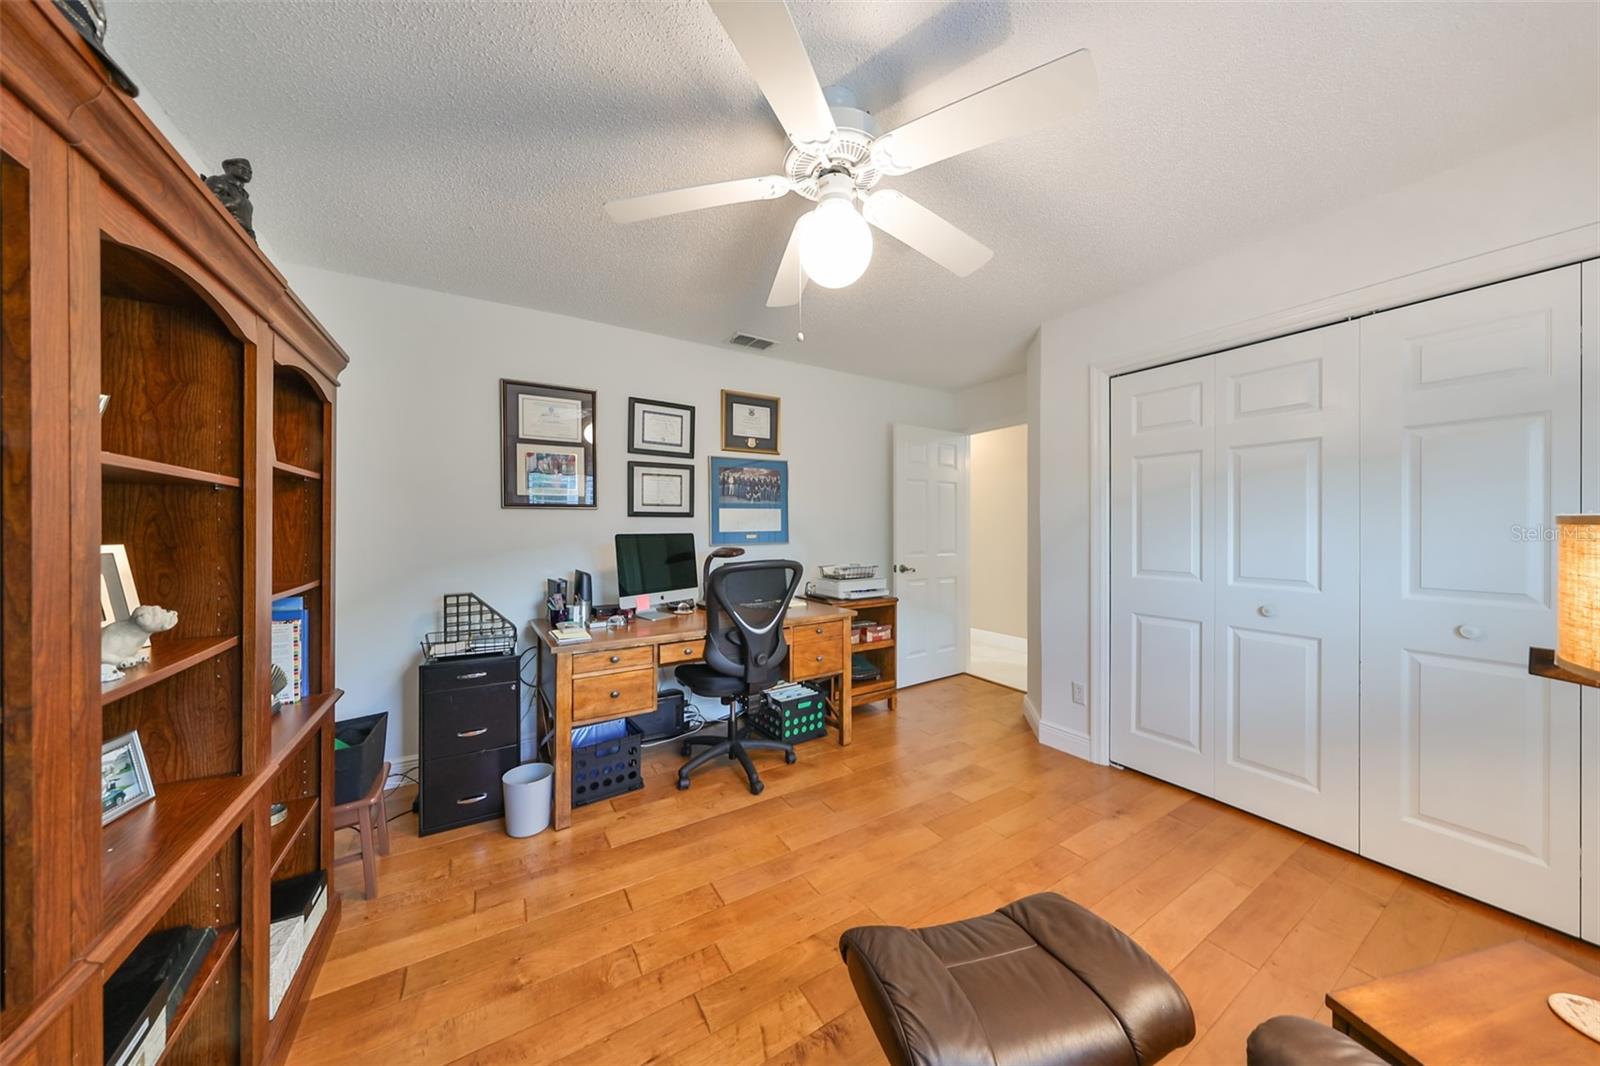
[(1040, 981)]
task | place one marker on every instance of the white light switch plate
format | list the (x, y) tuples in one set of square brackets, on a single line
[(1077, 692)]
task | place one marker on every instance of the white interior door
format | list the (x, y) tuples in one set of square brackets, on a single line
[(1288, 466), (1162, 572), (1590, 698), (930, 552), (1470, 446)]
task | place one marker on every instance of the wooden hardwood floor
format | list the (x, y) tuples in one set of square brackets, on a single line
[(701, 927)]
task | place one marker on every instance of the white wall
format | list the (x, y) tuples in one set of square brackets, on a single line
[(419, 462), (1507, 212), (992, 404), (999, 531)]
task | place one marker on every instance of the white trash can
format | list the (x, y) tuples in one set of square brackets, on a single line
[(529, 791)]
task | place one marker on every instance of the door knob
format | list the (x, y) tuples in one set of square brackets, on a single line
[(1266, 610), (1468, 632), (900, 568)]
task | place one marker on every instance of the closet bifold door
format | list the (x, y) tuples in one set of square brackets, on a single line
[(1163, 572), (1470, 446), (1287, 606), (1590, 697)]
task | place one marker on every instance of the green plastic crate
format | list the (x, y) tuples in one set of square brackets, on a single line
[(803, 717)]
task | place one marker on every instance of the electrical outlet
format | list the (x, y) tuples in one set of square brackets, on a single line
[(1077, 693)]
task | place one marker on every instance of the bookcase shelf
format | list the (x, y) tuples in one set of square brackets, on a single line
[(297, 590), (188, 420)]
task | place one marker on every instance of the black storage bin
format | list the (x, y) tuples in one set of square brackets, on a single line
[(355, 767), (607, 768)]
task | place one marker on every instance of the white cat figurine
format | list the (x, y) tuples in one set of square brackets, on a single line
[(122, 643)]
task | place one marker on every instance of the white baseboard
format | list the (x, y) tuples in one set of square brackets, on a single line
[(1077, 744), (1003, 643), (1031, 713)]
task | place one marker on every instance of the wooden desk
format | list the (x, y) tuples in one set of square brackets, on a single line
[(617, 673), (1486, 1007)]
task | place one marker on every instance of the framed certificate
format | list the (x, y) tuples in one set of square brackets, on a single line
[(749, 423), (547, 456), (665, 489), (656, 427)]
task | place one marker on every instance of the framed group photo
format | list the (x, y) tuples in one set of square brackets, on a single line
[(546, 445), (124, 777), (664, 490), (749, 423), (656, 427), (749, 501)]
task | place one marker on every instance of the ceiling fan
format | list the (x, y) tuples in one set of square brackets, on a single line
[(837, 156)]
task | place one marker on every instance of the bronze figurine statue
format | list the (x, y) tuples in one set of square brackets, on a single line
[(229, 187)]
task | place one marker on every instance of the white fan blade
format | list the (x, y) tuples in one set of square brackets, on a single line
[(1030, 101), (791, 280), (912, 224), (765, 38), (677, 201)]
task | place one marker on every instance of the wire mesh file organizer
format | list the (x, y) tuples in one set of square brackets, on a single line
[(471, 627)]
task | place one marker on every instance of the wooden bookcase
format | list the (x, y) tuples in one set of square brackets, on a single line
[(121, 275)]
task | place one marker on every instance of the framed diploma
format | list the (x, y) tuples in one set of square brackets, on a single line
[(665, 489), (656, 427), (749, 501), (547, 456), (749, 423)]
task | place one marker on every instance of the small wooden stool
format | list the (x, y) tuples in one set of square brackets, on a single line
[(371, 822)]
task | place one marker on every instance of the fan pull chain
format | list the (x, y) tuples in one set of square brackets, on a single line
[(800, 308)]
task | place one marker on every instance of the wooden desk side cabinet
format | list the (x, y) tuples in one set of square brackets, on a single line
[(213, 466)]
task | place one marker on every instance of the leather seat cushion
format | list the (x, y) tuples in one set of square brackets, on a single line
[(1039, 981), (704, 681), (1289, 1040)]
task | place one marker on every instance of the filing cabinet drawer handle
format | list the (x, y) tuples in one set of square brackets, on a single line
[(480, 731), (472, 677), (465, 801), (616, 658)]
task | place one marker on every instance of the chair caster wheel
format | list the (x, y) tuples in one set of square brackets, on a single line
[(790, 757), (683, 784), (756, 787)]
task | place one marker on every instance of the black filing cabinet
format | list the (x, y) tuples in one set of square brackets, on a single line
[(468, 712)]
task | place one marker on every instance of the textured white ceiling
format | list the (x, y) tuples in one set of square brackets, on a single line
[(468, 147)]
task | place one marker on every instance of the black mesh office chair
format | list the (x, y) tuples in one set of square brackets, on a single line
[(745, 650)]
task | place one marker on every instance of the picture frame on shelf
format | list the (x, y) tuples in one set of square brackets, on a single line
[(749, 500), (547, 449), (657, 427), (118, 597), (749, 422), (124, 777), (660, 490)]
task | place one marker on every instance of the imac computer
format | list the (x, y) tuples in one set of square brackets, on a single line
[(658, 565)]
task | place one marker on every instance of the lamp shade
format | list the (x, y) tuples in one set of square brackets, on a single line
[(1578, 594)]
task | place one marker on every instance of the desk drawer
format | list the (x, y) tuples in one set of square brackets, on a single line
[(816, 632), (614, 695), (813, 656), (688, 651), (605, 660)]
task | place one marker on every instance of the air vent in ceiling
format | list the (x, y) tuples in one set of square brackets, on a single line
[(745, 340)]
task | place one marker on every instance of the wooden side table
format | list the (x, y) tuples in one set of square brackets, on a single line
[(878, 611), (1487, 1007)]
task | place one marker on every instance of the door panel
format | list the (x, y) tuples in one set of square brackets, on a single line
[(1287, 695), (1470, 447), (1590, 717), (1162, 583), (930, 552)]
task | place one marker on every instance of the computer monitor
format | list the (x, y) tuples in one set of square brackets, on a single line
[(658, 565)]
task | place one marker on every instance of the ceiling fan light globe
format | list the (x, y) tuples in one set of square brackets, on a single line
[(835, 244)]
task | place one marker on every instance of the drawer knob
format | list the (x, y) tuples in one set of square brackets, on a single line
[(688, 651), (480, 731), (615, 693), (819, 658), (466, 801), (616, 658), (472, 677), (819, 631)]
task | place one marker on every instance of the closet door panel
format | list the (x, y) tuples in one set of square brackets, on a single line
[(1590, 717), (1470, 447), (1287, 498), (1162, 580)]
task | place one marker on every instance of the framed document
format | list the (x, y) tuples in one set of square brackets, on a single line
[(547, 455), (749, 501), (660, 489), (749, 423), (656, 427)]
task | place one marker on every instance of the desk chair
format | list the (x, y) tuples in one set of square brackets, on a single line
[(745, 650)]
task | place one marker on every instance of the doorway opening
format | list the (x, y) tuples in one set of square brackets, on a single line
[(998, 535)]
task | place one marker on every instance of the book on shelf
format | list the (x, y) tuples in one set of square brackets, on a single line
[(297, 907), (291, 611), (141, 999)]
